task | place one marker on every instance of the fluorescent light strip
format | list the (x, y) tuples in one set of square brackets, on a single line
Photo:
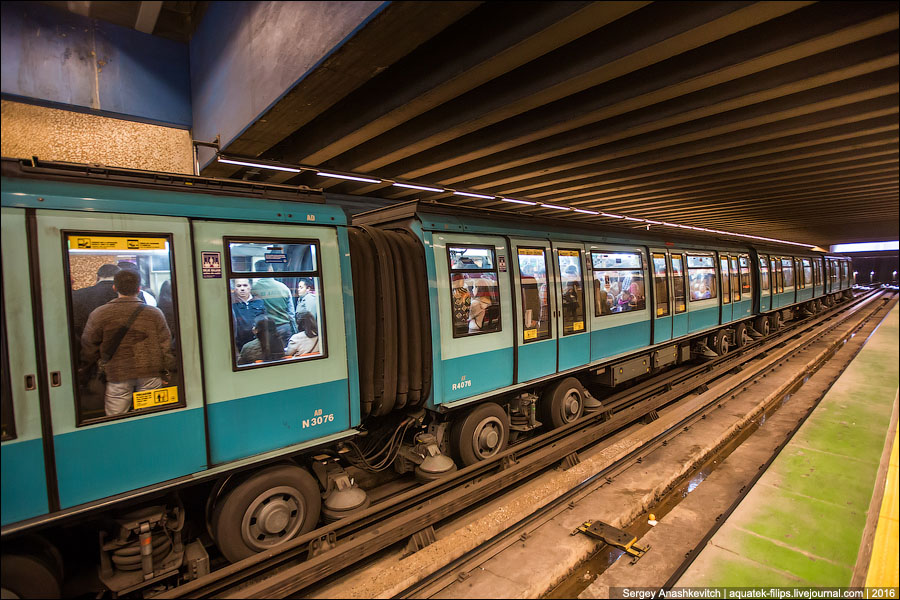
[(649, 222), (261, 166), (518, 201), (587, 212), (633, 219), (603, 214), (471, 195), (351, 177), (418, 187), (555, 206)]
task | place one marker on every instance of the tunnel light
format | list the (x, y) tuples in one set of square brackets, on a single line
[(612, 216), (649, 222), (866, 246), (555, 206), (633, 219), (260, 165), (418, 187), (513, 200), (585, 211), (471, 195), (350, 177)]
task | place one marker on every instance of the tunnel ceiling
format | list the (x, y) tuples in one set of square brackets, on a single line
[(777, 119)]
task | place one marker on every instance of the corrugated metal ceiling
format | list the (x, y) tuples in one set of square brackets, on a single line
[(767, 118)]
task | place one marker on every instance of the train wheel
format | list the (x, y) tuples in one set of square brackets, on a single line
[(269, 508), (741, 337), (762, 326), (718, 342), (775, 322), (27, 576), (480, 433), (562, 403)]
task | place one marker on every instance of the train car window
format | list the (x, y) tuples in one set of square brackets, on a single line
[(726, 285), (661, 285), (807, 272), (819, 278), (788, 268), (124, 324), (474, 290), (7, 414), (678, 281), (702, 275), (572, 291), (535, 294), (763, 273), (779, 274), (745, 275), (735, 280), (618, 282), (275, 295)]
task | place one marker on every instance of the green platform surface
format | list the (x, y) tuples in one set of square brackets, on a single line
[(802, 522)]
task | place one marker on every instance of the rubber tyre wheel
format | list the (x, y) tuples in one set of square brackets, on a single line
[(741, 337), (718, 342), (763, 326), (28, 576), (555, 410), (228, 516), (465, 434), (775, 322)]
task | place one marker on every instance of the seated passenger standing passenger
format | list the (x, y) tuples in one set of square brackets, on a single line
[(267, 345), (307, 341), (461, 303), (85, 300), (278, 301), (244, 309), (131, 341), (479, 303)]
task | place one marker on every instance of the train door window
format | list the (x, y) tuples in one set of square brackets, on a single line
[(661, 284), (834, 274), (745, 275), (807, 272), (845, 276), (474, 290), (779, 274), (735, 280), (124, 324), (277, 312), (787, 265), (535, 294), (7, 416), (702, 275), (763, 273), (678, 283), (726, 287), (618, 282), (819, 278), (572, 291)]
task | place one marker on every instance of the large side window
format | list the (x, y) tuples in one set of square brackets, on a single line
[(726, 280), (618, 282), (763, 273), (572, 291), (661, 284), (745, 275), (778, 274), (535, 294), (787, 265), (124, 324), (275, 294), (819, 278), (474, 290), (702, 275), (678, 283), (807, 272), (735, 280)]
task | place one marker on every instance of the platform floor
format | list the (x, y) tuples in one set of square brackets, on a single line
[(811, 518)]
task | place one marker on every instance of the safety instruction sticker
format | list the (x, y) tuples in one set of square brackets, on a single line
[(212, 265), (94, 242), (578, 326), (569, 253), (530, 334), (157, 397)]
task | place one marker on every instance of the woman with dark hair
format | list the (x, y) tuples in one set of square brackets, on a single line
[(307, 341), (266, 347), (164, 303)]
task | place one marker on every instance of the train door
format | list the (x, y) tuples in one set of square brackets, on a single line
[(725, 308), (662, 296), (274, 339), (621, 319), (679, 295), (765, 287), (573, 299), (24, 476), (744, 308), (144, 425), (536, 346)]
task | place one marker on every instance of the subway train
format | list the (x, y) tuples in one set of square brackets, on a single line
[(302, 348)]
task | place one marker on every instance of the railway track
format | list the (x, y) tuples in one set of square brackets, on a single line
[(324, 552)]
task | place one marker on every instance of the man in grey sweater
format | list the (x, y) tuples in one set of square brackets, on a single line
[(143, 356)]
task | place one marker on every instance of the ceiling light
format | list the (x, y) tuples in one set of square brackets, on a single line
[(587, 212), (633, 219), (518, 201), (648, 221), (555, 206), (471, 195), (418, 187), (260, 165), (603, 214), (351, 177)]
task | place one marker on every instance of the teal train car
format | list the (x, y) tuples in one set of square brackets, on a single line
[(303, 349)]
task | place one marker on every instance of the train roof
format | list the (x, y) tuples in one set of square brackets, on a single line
[(437, 216)]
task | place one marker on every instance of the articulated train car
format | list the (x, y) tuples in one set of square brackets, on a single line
[(299, 345)]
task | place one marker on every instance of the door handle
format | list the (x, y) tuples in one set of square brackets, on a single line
[(55, 379), (30, 382)]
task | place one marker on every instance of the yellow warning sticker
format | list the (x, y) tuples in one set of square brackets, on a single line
[(578, 326), (94, 242), (530, 252), (568, 253), (530, 334), (157, 397)]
